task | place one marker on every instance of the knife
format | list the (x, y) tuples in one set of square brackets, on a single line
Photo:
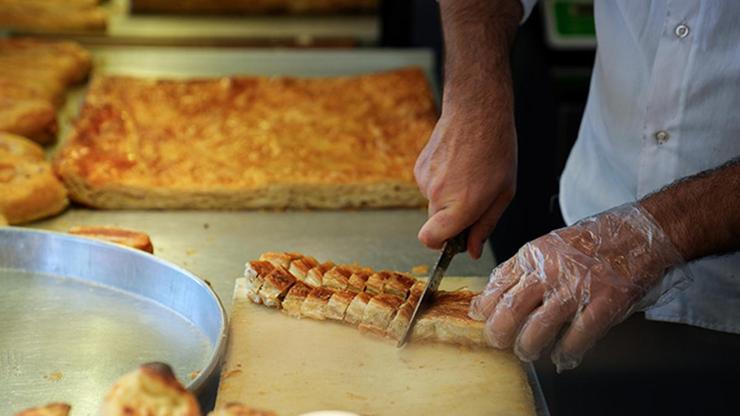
[(453, 246)]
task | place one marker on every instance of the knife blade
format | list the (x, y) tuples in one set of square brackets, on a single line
[(453, 246)]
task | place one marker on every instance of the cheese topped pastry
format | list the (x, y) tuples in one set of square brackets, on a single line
[(250, 142)]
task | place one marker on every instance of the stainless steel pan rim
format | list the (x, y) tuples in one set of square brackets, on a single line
[(36, 242)]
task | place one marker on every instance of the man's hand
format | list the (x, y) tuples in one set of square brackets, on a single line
[(592, 275), (587, 277), (467, 171)]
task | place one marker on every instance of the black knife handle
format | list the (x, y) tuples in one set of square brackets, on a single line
[(459, 243)]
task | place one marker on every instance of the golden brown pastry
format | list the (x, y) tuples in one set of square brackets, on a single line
[(376, 281), (250, 142), (383, 308), (314, 305), (293, 301), (300, 267), (28, 188), (152, 389), (122, 236), (254, 6), (33, 78), (47, 15), (379, 312), (337, 306), (315, 276), (254, 272), (275, 285), (337, 278), (398, 285), (51, 409), (237, 409), (33, 118)]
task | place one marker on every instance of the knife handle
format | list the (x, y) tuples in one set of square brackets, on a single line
[(459, 243)]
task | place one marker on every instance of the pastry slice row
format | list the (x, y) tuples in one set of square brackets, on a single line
[(380, 302)]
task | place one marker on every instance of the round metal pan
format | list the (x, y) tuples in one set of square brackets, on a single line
[(76, 314)]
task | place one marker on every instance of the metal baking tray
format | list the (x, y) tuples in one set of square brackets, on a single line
[(76, 314)]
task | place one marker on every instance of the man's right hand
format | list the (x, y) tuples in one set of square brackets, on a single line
[(467, 171)]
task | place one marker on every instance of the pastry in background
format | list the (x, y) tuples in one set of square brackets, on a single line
[(28, 188), (122, 236), (254, 6), (51, 409), (34, 76), (152, 389), (53, 15), (237, 409), (250, 142)]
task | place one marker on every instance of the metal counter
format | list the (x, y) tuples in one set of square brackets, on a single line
[(215, 244)]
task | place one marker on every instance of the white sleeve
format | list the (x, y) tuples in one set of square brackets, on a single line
[(527, 6)]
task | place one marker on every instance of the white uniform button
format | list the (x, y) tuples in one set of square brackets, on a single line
[(662, 136), (681, 31)]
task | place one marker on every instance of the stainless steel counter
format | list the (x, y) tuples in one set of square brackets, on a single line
[(215, 244)]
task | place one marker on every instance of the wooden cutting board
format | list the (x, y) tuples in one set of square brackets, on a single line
[(293, 366)]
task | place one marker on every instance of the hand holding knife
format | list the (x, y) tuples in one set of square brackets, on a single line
[(451, 247)]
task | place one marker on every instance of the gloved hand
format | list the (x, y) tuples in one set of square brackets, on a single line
[(589, 276)]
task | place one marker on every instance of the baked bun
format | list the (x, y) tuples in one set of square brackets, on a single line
[(28, 188), (152, 389)]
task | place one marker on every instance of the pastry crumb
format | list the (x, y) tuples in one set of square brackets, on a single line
[(54, 376), (420, 269)]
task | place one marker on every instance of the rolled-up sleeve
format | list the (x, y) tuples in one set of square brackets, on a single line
[(527, 6)]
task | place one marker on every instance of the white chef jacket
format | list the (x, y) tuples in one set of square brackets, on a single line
[(664, 104)]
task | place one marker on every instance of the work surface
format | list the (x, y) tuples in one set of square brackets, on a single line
[(295, 366), (215, 244)]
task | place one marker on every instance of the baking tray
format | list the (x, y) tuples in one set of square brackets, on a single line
[(76, 314)]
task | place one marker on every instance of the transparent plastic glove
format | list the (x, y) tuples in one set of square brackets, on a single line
[(582, 280)]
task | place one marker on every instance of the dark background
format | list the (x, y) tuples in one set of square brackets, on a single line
[(640, 367)]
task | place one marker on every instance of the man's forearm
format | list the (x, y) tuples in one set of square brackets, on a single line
[(478, 36), (701, 214)]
